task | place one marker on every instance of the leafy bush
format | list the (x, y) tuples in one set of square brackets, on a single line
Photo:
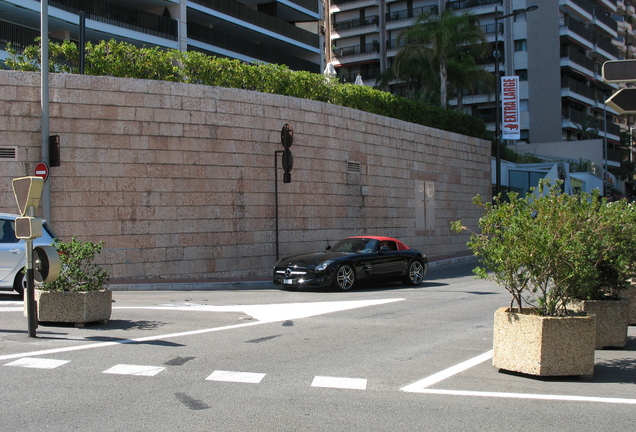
[(78, 272), (121, 59), (549, 247)]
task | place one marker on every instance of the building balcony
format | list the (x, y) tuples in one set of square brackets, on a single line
[(579, 62), (245, 48), (355, 24), (412, 13), (344, 5), (359, 52), (241, 13), (121, 16), (465, 4), (578, 91)]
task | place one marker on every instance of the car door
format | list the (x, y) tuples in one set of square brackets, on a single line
[(389, 260), (11, 249)]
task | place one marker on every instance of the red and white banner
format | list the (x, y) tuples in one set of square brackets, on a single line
[(511, 126)]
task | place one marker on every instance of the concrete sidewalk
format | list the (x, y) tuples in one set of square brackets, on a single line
[(242, 283)]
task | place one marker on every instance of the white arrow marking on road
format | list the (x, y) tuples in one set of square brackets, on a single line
[(270, 313), (275, 312)]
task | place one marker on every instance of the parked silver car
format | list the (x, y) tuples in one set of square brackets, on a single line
[(13, 252)]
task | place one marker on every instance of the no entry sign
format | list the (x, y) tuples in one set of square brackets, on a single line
[(42, 170)]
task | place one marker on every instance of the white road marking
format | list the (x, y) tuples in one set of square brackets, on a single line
[(275, 312), (530, 396), (37, 363), (137, 370), (447, 373), (237, 377), (340, 383), (422, 386), (265, 313)]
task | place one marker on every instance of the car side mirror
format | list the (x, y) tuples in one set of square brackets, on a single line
[(328, 248)]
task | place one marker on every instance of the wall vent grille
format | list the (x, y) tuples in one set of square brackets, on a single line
[(354, 167), (8, 152)]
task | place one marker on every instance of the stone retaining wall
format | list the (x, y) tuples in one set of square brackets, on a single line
[(178, 179)]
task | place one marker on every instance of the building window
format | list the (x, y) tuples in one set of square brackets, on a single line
[(521, 45)]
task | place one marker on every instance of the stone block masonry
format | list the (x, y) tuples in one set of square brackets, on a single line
[(178, 179)]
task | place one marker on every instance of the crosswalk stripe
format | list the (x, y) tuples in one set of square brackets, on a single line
[(37, 363), (238, 377), (340, 383), (137, 370)]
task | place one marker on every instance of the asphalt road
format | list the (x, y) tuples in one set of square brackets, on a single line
[(386, 358)]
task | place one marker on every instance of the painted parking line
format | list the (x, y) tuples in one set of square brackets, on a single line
[(236, 377), (422, 386), (136, 370), (553, 397), (447, 373), (340, 383), (37, 363)]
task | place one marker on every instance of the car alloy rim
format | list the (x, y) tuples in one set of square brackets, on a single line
[(416, 272), (345, 277)]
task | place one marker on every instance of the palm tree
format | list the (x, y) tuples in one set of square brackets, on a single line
[(433, 43)]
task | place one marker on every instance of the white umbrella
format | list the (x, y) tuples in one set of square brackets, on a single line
[(330, 70)]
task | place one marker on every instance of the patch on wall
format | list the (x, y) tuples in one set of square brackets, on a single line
[(424, 205)]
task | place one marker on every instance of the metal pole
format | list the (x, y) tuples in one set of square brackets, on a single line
[(497, 114), (631, 143), (44, 88), (276, 153), (82, 40), (605, 176), (30, 288)]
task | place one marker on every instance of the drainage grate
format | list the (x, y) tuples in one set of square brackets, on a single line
[(8, 152)]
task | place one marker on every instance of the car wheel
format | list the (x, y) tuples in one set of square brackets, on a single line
[(415, 273), (345, 277), (20, 283)]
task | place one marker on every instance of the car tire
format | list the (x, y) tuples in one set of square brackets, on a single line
[(20, 282), (415, 273), (345, 278)]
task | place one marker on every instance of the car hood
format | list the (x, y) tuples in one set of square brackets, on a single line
[(309, 259)]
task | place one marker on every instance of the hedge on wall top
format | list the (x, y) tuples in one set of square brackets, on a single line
[(124, 60)]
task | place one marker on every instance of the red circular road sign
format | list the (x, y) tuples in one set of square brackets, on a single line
[(42, 170)]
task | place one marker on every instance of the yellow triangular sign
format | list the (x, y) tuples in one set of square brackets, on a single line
[(27, 191)]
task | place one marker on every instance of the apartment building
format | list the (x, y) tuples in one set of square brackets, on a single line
[(270, 31), (556, 50)]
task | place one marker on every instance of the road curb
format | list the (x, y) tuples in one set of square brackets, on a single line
[(237, 284)]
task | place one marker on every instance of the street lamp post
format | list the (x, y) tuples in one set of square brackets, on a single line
[(498, 91)]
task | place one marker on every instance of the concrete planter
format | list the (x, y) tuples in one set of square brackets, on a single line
[(74, 307), (543, 346), (611, 320), (629, 293)]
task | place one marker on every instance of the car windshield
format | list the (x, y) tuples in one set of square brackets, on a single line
[(356, 245)]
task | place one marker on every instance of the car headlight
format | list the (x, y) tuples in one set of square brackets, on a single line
[(323, 266)]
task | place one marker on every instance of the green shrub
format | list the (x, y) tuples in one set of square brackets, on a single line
[(78, 272), (121, 59), (549, 247)]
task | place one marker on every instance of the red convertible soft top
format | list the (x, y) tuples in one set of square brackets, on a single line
[(400, 246)]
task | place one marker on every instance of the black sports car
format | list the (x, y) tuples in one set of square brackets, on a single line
[(351, 260)]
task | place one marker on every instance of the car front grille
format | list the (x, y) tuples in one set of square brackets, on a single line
[(289, 273)]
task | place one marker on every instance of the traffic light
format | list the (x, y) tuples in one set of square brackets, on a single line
[(287, 139)]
